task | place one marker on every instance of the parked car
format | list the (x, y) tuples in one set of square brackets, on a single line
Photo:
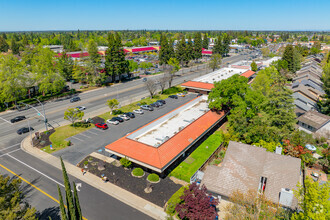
[(138, 111), (144, 79), (125, 117), (18, 118), (24, 130), (181, 94), (101, 126), (113, 121), (118, 119), (173, 96), (75, 99), (155, 104), (199, 94), (161, 101), (81, 108), (147, 107), (130, 114)]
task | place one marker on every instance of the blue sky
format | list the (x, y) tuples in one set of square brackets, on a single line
[(25, 15)]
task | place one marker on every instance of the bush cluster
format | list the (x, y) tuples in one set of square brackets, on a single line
[(174, 200), (138, 172), (82, 124), (153, 177), (172, 90), (117, 112), (125, 162)]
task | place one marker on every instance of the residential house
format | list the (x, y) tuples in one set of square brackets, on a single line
[(315, 123), (247, 167)]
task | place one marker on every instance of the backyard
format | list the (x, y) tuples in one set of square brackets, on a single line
[(196, 159)]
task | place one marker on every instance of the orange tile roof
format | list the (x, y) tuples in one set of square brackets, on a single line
[(162, 156), (198, 85), (248, 74)]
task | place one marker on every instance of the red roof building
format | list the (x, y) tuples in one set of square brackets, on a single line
[(159, 158), (191, 85), (248, 74)]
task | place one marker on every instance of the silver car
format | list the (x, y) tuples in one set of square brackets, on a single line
[(138, 111)]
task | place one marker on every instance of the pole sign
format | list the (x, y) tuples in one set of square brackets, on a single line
[(51, 147)]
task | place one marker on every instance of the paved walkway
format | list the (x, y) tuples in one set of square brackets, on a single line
[(124, 196)]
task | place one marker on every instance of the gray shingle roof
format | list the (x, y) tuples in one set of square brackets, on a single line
[(314, 119), (244, 165)]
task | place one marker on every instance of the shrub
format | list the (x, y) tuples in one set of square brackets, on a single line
[(117, 112), (138, 172), (153, 177), (86, 163), (172, 90), (82, 124), (125, 162), (174, 200), (143, 103), (68, 143)]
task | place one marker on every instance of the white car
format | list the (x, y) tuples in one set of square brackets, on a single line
[(112, 121), (181, 94), (81, 108), (123, 117), (138, 111)]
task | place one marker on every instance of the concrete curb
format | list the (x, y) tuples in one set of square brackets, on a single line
[(120, 194)]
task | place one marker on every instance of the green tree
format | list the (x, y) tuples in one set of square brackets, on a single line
[(121, 62), (132, 65), (65, 66), (314, 201), (14, 46), (12, 206), (324, 103), (113, 104), (175, 67), (222, 95), (218, 47), (254, 66), (205, 42), (73, 210), (226, 43), (73, 114), (181, 54), (164, 50), (215, 61), (198, 45), (3, 45), (189, 50), (292, 57)]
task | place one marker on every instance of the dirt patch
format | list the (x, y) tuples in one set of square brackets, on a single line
[(42, 139), (97, 119)]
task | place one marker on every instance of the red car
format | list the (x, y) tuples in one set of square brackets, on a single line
[(101, 125)]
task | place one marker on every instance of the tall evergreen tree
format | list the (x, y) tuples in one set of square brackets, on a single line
[(190, 50), (3, 45), (62, 206), (198, 45), (218, 48), (14, 46), (292, 56), (181, 51), (76, 202), (205, 42), (164, 50), (110, 57), (65, 66), (122, 63), (226, 43)]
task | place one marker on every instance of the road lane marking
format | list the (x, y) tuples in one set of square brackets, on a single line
[(10, 147), (34, 186), (32, 168), (10, 152), (6, 121)]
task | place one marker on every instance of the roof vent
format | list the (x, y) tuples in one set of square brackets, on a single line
[(278, 150), (286, 197)]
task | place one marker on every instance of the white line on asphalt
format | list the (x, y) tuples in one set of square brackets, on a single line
[(76, 138), (84, 135), (92, 132), (10, 152), (10, 147), (5, 120), (36, 170)]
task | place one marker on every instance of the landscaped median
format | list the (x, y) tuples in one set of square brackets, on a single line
[(196, 159)]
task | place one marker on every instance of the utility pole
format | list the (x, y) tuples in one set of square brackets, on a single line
[(30, 131), (43, 109), (39, 113)]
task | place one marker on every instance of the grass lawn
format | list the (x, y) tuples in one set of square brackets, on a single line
[(133, 106), (59, 136), (189, 166)]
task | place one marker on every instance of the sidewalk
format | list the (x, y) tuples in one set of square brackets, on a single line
[(122, 195)]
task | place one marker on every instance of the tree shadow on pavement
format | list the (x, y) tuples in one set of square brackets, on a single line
[(52, 212)]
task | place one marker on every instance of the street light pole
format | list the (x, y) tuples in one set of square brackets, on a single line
[(43, 110), (30, 131), (38, 113)]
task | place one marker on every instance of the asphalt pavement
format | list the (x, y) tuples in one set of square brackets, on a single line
[(95, 205)]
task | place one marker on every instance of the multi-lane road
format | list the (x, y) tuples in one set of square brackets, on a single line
[(13, 160)]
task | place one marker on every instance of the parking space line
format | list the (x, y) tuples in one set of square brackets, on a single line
[(84, 135), (99, 130), (10, 147), (77, 138), (6, 120), (92, 132)]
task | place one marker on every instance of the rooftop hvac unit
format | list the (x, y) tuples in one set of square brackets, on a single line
[(286, 197), (278, 150)]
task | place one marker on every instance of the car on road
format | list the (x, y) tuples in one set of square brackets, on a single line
[(113, 121), (81, 108), (173, 96), (75, 99), (147, 107), (18, 118), (101, 126), (138, 111), (130, 114), (24, 130), (118, 119), (144, 79), (155, 105), (125, 117)]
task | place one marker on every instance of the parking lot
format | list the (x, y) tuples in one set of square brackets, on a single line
[(96, 139)]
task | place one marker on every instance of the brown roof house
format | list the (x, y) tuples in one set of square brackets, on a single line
[(316, 123), (247, 167)]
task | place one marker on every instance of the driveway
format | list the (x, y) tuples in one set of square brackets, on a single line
[(96, 139)]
